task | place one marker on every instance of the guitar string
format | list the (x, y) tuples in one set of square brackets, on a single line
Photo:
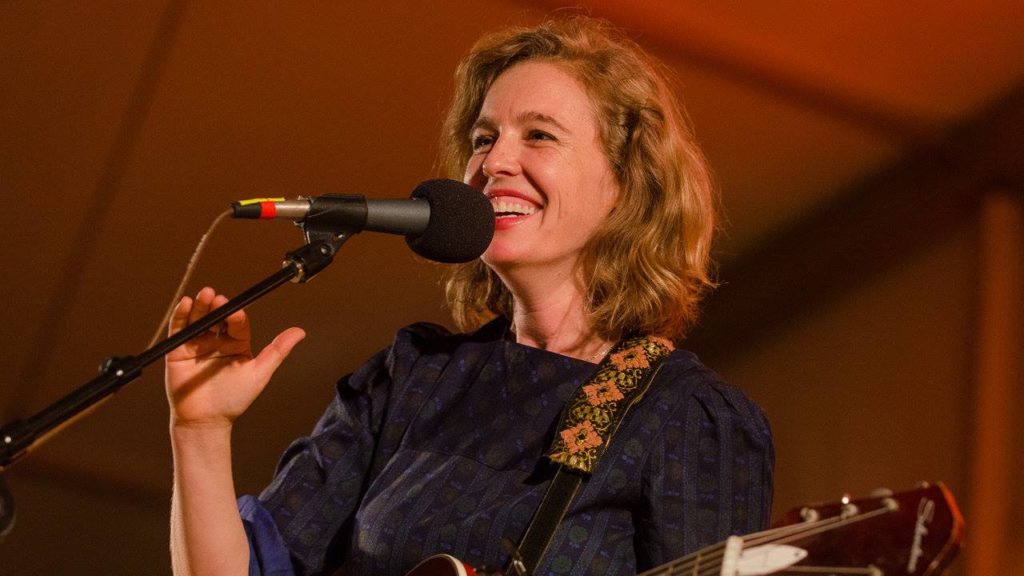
[(800, 531), (839, 522), (691, 564), (827, 570), (810, 529), (715, 552)]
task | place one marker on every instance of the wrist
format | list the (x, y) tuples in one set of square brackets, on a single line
[(200, 431)]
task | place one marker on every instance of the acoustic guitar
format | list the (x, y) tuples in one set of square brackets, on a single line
[(912, 533)]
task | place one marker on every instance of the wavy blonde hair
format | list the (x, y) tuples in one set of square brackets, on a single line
[(646, 267)]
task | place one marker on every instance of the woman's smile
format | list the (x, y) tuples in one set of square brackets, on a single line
[(511, 208), (538, 156)]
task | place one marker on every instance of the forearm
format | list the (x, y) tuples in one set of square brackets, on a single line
[(207, 536)]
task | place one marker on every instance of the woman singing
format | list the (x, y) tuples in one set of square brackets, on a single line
[(604, 218)]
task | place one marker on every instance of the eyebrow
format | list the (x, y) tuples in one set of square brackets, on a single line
[(522, 118)]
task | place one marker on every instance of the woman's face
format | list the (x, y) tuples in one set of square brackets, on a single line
[(537, 155)]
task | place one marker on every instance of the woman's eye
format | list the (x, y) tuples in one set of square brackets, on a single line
[(481, 143), (540, 135)]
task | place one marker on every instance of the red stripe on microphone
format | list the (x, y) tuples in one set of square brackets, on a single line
[(268, 210)]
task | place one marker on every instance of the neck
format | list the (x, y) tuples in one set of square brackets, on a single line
[(549, 315)]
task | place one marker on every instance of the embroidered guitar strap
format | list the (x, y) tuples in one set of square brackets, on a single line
[(600, 405), (588, 422)]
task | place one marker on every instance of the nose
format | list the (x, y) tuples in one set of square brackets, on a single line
[(502, 159)]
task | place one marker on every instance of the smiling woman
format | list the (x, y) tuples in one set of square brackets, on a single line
[(447, 443), (610, 108), (536, 145)]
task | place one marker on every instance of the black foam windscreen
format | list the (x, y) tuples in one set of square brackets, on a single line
[(461, 222)]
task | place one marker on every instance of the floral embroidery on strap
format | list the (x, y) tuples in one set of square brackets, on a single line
[(599, 406), (580, 437)]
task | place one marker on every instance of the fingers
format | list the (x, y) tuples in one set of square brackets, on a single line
[(202, 305), (236, 325), (179, 319), (271, 357), (190, 310)]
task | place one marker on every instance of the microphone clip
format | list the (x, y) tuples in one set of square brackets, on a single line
[(315, 255), (334, 214)]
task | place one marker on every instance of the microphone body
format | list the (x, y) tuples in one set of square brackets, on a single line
[(444, 220), (344, 212)]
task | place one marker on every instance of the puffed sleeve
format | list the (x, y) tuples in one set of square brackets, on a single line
[(301, 521), (709, 473)]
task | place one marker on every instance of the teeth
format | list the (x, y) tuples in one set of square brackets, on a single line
[(513, 208)]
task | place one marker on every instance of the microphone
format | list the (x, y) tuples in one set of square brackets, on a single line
[(443, 220)]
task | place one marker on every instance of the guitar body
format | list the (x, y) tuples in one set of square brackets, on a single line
[(442, 565), (913, 533)]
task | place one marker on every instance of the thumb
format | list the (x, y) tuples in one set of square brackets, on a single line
[(271, 357)]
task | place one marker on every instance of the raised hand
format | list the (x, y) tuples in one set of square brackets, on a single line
[(214, 378)]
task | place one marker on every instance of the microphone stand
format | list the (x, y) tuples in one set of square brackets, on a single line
[(17, 438)]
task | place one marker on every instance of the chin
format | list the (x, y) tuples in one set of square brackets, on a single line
[(498, 256)]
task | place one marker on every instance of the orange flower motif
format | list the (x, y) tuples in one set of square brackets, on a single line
[(598, 394), (664, 342), (633, 357), (581, 437)]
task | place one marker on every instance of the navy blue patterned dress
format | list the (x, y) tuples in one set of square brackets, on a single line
[(435, 444)]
